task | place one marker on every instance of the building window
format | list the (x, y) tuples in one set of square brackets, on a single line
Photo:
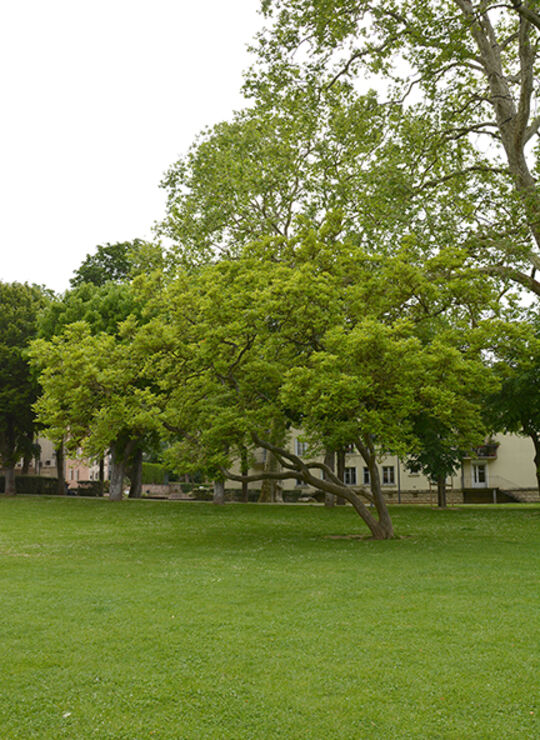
[(350, 449), (71, 474), (301, 448), (479, 474), (388, 475), (366, 477), (77, 474), (349, 477)]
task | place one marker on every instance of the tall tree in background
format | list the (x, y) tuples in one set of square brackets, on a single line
[(117, 263), (464, 68), (20, 305)]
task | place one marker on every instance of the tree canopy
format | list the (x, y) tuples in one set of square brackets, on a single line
[(21, 305)]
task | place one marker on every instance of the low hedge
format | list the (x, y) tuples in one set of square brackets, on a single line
[(89, 488), (154, 474), (36, 484)]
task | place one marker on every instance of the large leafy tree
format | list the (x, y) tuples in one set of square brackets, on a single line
[(94, 396), (20, 305), (304, 333), (88, 314), (464, 71)]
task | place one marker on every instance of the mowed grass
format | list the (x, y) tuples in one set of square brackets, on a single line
[(182, 620)]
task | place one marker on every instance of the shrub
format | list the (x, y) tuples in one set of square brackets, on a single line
[(89, 488), (36, 484), (153, 473)]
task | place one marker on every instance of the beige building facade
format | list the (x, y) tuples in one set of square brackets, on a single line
[(500, 470), (75, 470)]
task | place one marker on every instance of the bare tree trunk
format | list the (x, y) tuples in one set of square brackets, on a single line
[(116, 487), (441, 492), (101, 476), (9, 477), (219, 492), (60, 471), (271, 491), (330, 462), (536, 442), (341, 472), (245, 471), (135, 488)]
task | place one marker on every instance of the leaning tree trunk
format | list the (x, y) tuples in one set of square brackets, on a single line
[(329, 461), (135, 488), (341, 473), (385, 528), (60, 469), (219, 492), (441, 492)]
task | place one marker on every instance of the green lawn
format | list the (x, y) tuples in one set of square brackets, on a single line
[(182, 620)]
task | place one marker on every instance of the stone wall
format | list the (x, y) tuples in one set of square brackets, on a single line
[(526, 495), (426, 497)]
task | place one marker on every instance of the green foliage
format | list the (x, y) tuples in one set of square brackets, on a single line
[(516, 406), (103, 308), (333, 342), (20, 307), (92, 388), (458, 78), (117, 263), (154, 473)]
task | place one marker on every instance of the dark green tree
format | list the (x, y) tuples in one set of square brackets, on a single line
[(20, 306), (117, 263)]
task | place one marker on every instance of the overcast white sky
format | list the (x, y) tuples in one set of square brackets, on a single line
[(97, 100)]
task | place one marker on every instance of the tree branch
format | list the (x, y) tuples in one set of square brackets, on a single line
[(525, 12)]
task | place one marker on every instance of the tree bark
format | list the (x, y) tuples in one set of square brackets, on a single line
[(295, 468), (341, 473), (101, 476), (9, 477), (116, 487), (271, 491), (536, 443), (441, 492), (367, 450), (219, 492), (60, 472), (135, 488), (512, 116), (330, 462), (245, 471)]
